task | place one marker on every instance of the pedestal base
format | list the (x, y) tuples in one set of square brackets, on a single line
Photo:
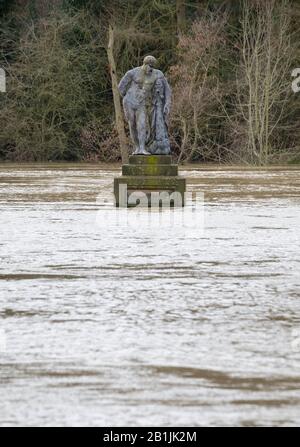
[(150, 180)]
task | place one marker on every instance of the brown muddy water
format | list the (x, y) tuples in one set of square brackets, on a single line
[(106, 323)]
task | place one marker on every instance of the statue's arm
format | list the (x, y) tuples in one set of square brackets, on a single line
[(125, 83)]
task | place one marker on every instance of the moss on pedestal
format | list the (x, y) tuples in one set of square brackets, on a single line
[(150, 169), (150, 160)]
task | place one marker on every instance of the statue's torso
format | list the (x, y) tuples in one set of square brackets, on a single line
[(140, 91)]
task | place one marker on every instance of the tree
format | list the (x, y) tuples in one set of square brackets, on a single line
[(52, 89), (263, 80), (181, 16), (196, 91), (117, 101)]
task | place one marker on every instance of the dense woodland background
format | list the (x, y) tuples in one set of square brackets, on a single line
[(229, 64)]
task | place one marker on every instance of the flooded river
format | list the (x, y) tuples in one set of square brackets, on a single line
[(107, 324)]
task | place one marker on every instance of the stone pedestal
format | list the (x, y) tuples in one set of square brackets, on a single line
[(149, 176)]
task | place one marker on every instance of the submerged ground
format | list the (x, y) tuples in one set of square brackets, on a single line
[(109, 319)]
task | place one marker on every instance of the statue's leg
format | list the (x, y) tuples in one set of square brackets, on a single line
[(141, 120), (131, 118)]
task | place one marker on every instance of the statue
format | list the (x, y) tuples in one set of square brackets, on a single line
[(146, 102)]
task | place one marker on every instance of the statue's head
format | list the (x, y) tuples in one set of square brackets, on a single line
[(149, 63)]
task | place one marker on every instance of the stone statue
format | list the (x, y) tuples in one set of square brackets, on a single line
[(146, 102)]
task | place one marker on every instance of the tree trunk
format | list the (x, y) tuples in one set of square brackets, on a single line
[(117, 101), (181, 16)]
